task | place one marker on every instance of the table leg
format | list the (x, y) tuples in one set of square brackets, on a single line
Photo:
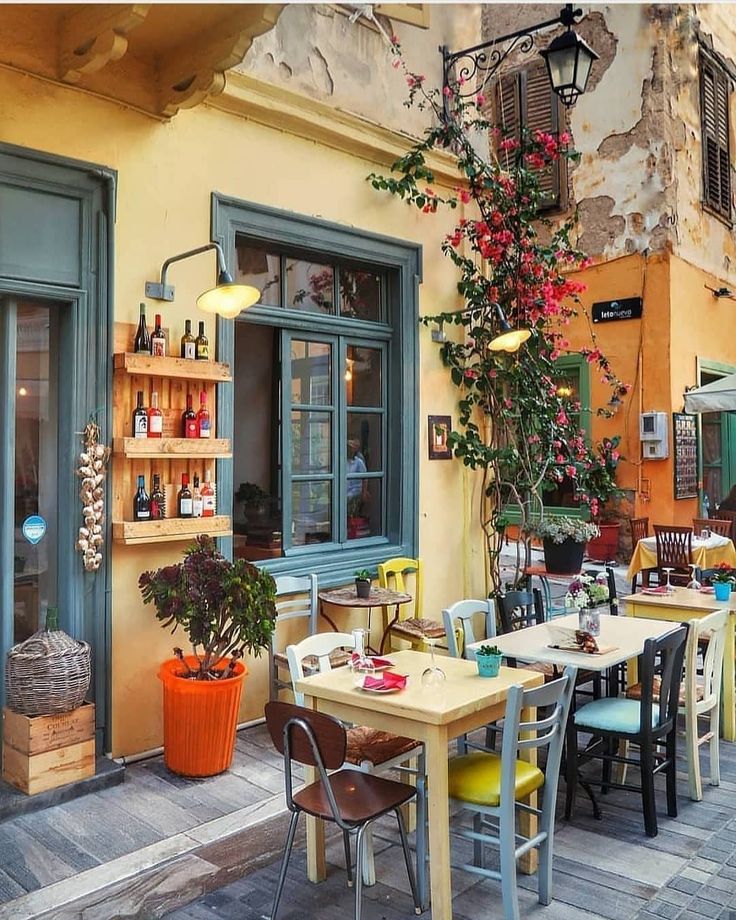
[(729, 679), (439, 823), (527, 821), (316, 863), (329, 619), (387, 630)]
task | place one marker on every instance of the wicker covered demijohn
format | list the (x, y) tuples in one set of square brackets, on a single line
[(50, 672)]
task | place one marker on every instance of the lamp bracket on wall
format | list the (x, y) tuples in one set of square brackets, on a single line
[(721, 292), (160, 290)]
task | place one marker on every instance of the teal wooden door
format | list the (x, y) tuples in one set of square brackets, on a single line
[(55, 374)]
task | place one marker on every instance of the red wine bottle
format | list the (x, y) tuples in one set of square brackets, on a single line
[(189, 423), (142, 342), (203, 416), (140, 418), (158, 499), (141, 502), (158, 339), (184, 498)]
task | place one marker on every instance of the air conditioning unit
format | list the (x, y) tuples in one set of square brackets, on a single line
[(653, 426)]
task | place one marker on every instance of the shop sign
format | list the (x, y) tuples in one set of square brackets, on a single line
[(605, 311), (34, 529)]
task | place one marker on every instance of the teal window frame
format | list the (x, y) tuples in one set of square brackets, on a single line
[(397, 334), (567, 363), (727, 422)]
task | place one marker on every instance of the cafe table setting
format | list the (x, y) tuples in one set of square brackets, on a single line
[(707, 552)]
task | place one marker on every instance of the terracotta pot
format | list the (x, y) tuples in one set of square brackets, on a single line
[(564, 558), (199, 719), (605, 547)]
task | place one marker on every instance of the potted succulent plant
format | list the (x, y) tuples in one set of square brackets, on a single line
[(363, 583), (226, 609), (488, 658), (564, 540)]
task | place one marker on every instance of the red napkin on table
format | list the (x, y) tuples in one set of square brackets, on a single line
[(389, 680), (662, 589), (370, 661)]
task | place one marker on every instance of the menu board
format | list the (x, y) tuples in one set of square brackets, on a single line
[(686, 455)]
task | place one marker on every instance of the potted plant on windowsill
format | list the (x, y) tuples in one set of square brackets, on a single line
[(226, 609), (563, 539), (488, 659), (601, 493), (363, 583)]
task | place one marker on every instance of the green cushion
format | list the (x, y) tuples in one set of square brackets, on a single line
[(476, 778), (614, 715)]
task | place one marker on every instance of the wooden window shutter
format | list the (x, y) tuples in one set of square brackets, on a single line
[(508, 108), (714, 100)]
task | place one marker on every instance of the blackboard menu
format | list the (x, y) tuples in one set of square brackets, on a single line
[(686, 455)]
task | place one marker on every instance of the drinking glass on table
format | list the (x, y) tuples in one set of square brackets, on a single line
[(432, 676), (668, 586), (693, 584)]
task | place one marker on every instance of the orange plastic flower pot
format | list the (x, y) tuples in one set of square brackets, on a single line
[(199, 719)]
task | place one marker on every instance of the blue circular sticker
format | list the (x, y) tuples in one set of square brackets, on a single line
[(34, 529)]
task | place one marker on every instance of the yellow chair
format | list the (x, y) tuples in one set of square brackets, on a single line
[(413, 629)]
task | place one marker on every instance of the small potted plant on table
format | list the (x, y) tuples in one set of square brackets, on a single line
[(363, 583), (723, 579), (564, 540), (226, 609), (488, 658)]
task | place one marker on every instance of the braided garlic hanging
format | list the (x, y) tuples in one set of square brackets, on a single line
[(92, 470)]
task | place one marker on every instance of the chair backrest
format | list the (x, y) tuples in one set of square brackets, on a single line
[(674, 545), (391, 575), (727, 516), (639, 529), (296, 597), (714, 626), (518, 609), (463, 613), (721, 526), (320, 646), (611, 582), (662, 657), (545, 731)]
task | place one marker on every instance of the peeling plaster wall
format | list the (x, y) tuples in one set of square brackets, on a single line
[(314, 49)]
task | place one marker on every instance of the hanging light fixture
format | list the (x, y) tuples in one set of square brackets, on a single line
[(509, 338), (569, 60), (227, 299)]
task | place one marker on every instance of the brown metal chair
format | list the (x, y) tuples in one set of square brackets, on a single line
[(674, 551), (639, 531), (722, 526), (353, 800)]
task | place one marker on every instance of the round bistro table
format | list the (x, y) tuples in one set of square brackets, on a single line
[(348, 597)]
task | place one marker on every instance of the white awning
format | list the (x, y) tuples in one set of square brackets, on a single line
[(719, 396)]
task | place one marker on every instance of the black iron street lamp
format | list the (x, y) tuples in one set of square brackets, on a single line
[(568, 59)]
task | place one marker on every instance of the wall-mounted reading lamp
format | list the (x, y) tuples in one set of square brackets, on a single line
[(227, 299)]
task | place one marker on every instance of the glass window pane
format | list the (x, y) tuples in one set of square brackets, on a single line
[(364, 511), (311, 442), (363, 376), (261, 269), (311, 364), (311, 508), (310, 286), (360, 294), (365, 442)]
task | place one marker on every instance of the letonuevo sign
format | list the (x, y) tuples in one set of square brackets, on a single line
[(605, 311)]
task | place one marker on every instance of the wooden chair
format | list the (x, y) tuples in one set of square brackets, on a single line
[(727, 516), (675, 551), (368, 749), (351, 799), (702, 697), (639, 531), (640, 722), (715, 525), (412, 629), (491, 786)]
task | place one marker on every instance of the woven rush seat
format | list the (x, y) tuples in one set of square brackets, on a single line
[(634, 692), (338, 659), (375, 746), (415, 628)]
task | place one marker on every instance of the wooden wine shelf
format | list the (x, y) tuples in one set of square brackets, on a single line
[(132, 533), (180, 448), (172, 367)]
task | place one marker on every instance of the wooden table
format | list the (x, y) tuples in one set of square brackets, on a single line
[(705, 554), (348, 597), (682, 605), (462, 704)]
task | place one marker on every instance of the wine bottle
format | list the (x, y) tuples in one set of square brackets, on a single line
[(141, 502), (52, 619), (155, 418), (208, 496), (203, 416), (189, 423), (188, 345), (158, 500), (202, 345), (158, 339), (140, 418), (184, 498), (197, 505), (142, 342)]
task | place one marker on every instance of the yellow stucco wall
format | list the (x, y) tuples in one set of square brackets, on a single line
[(166, 173)]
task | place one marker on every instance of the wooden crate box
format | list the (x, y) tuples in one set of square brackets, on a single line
[(43, 752)]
